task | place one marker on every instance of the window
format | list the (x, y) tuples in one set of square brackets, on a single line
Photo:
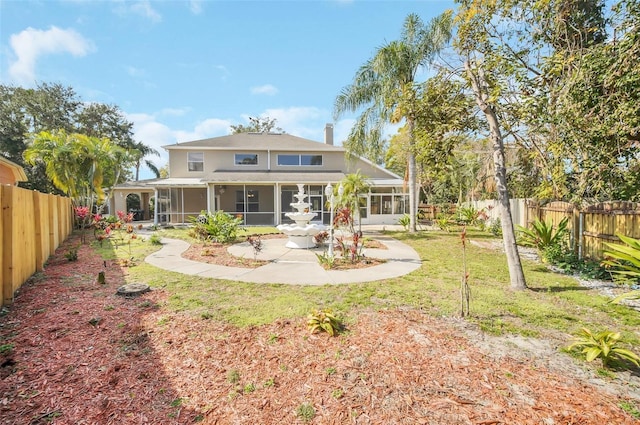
[(252, 201), (195, 161), (246, 159), (288, 159), (299, 159), (310, 159), (389, 204)]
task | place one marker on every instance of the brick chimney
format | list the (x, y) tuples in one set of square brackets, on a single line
[(328, 134)]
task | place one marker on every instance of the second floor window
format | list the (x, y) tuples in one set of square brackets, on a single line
[(195, 161), (300, 159), (246, 159)]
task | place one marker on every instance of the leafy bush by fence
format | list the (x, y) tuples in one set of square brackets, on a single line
[(32, 226), (593, 226), (590, 228)]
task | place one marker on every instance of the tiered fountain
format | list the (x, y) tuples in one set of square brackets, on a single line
[(301, 232)]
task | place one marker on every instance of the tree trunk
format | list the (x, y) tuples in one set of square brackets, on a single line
[(508, 233), (412, 180)]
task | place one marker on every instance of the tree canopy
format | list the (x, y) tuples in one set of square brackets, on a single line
[(257, 125), (385, 90), (54, 109), (80, 166)]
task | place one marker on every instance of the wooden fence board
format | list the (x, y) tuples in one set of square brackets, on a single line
[(7, 241), (2, 244), (32, 225), (594, 226)]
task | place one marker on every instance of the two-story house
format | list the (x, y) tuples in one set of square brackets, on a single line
[(255, 176)]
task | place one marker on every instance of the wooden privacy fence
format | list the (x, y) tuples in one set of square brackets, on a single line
[(32, 226), (593, 226)]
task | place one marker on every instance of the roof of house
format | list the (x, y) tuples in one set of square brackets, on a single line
[(260, 141), (266, 176), (16, 170), (252, 177)]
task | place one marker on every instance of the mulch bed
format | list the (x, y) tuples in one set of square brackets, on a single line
[(83, 355), (217, 253)]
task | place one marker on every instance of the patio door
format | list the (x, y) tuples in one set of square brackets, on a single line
[(164, 206), (315, 199)]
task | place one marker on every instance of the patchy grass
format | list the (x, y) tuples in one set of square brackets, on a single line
[(555, 302)]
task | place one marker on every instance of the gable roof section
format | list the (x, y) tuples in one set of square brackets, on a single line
[(259, 141), (11, 172)]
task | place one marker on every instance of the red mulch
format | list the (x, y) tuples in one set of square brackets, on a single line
[(217, 253), (143, 364)]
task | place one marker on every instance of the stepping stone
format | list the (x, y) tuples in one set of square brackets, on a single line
[(132, 289)]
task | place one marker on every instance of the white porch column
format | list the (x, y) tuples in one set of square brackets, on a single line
[(155, 207), (276, 204)]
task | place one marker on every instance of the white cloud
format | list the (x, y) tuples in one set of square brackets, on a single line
[(195, 6), (223, 71), (212, 127), (307, 122), (144, 8), (267, 89), (30, 44), (174, 112), (341, 130), (135, 72), (152, 133)]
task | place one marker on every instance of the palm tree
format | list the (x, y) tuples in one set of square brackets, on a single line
[(385, 86), (139, 151), (354, 185), (79, 165)]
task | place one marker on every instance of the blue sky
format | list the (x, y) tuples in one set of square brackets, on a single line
[(187, 70)]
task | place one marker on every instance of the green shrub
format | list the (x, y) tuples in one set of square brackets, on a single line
[(155, 239), (624, 259), (218, 227), (72, 254), (6, 348), (444, 221), (542, 234), (495, 228), (405, 221), (324, 321), (306, 412), (468, 215), (567, 261), (603, 345)]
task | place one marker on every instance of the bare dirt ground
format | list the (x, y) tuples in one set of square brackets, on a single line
[(75, 353)]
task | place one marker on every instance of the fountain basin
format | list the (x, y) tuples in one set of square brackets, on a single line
[(300, 236), (301, 232)]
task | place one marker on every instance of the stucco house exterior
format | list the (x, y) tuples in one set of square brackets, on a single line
[(255, 175)]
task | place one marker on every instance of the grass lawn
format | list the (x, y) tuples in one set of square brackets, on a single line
[(554, 303)]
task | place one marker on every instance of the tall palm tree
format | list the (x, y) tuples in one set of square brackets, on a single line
[(385, 87), (139, 152)]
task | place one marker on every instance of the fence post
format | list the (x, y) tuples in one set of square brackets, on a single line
[(3, 246), (7, 242), (576, 231)]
